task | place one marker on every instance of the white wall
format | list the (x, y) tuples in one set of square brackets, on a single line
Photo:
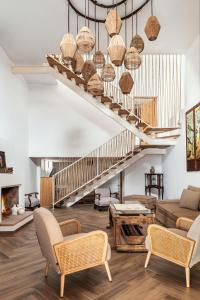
[(62, 123), (14, 129), (134, 182), (174, 164)]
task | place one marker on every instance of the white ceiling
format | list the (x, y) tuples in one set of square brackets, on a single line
[(31, 28)]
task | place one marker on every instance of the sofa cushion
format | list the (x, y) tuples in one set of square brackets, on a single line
[(194, 234), (193, 188), (190, 199)]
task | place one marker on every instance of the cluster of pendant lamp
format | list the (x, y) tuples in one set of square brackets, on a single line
[(72, 51)]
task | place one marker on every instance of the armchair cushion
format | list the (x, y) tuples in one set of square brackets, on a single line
[(190, 199), (106, 201), (194, 234)]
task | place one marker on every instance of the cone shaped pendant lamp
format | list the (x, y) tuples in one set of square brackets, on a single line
[(132, 60), (152, 27), (137, 41), (98, 57), (116, 50), (113, 22), (95, 85)]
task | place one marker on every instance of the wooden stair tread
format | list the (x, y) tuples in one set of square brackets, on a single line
[(160, 129), (123, 112), (105, 99), (114, 106), (131, 118)]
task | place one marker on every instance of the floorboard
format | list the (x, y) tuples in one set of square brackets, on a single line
[(21, 270)]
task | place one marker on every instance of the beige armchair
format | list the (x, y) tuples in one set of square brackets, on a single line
[(180, 245), (66, 249)]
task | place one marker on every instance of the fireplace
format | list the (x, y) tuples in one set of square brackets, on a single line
[(9, 197)]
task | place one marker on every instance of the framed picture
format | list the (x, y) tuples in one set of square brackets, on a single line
[(2, 160), (193, 138)]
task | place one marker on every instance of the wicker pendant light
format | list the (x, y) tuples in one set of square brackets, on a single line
[(152, 27), (95, 85), (77, 64), (138, 43), (108, 73), (116, 50), (126, 83), (113, 22), (88, 70), (132, 60), (99, 59), (68, 47), (85, 40)]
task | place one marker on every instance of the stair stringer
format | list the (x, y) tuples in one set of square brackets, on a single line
[(112, 173), (107, 111)]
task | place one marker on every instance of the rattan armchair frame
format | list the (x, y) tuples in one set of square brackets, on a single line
[(171, 246)]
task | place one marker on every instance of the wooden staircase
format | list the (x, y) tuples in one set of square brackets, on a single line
[(114, 106), (91, 171)]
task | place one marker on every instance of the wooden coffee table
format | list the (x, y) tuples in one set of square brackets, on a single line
[(129, 231)]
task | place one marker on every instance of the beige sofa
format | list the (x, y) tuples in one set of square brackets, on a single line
[(168, 211)]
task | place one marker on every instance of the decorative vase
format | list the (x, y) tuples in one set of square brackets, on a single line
[(108, 73), (126, 83), (88, 70), (116, 50), (132, 60), (152, 170), (99, 59), (85, 40), (14, 210), (68, 48), (113, 22), (95, 85), (138, 43), (152, 28)]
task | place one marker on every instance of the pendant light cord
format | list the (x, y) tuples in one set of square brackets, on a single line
[(136, 23), (88, 14), (132, 18), (85, 13), (152, 7), (125, 25), (95, 15), (68, 21)]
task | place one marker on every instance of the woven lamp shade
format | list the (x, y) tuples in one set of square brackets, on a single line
[(68, 47), (108, 73), (132, 60), (99, 59), (113, 22), (95, 85), (85, 40), (152, 28), (138, 43), (116, 50), (88, 70), (126, 83), (77, 64)]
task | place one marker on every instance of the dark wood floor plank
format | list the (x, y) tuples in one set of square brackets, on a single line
[(21, 270)]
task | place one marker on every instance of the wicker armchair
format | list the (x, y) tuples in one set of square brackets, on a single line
[(180, 245), (66, 249)]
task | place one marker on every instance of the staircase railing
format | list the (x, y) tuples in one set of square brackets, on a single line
[(85, 170)]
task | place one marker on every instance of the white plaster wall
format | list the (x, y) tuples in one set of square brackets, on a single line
[(14, 129), (61, 123), (174, 164), (134, 181)]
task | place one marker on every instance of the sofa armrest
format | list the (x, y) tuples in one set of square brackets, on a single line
[(167, 201), (115, 195), (184, 223), (82, 252), (69, 227), (97, 196), (170, 245)]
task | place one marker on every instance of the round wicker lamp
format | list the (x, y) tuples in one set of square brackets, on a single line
[(68, 47), (126, 83), (132, 60), (95, 85), (116, 50), (88, 70), (85, 40), (138, 43), (113, 22), (99, 59), (108, 73), (152, 28), (77, 63)]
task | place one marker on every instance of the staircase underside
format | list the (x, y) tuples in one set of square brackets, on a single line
[(113, 110)]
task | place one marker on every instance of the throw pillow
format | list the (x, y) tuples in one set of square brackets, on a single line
[(194, 189), (190, 199)]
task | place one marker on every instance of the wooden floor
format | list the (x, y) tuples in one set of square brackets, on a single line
[(21, 270)]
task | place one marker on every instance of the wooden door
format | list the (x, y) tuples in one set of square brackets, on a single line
[(46, 191)]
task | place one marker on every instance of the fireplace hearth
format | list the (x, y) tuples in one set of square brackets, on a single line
[(9, 197)]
